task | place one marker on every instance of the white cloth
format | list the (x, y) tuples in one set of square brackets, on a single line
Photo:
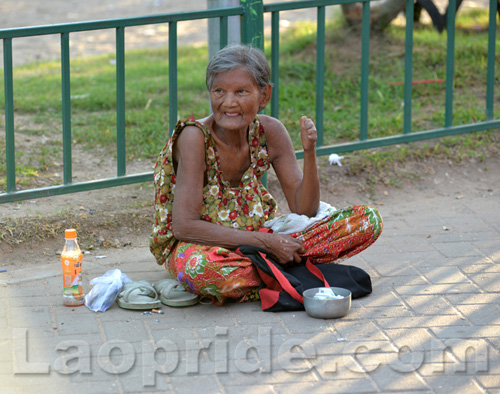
[(294, 223)]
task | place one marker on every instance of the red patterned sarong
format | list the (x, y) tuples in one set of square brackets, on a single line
[(222, 274)]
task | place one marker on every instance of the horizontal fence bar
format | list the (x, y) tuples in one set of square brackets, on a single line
[(76, 187), (297, 5), (161, 18), (122, 22), (403, 138)]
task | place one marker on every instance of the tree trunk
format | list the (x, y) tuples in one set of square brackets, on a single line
[(382, 12)]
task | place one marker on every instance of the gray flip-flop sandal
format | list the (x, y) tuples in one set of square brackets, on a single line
[(138, 295), (173, 294)]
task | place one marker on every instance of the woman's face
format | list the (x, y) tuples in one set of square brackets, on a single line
[(236, 99)]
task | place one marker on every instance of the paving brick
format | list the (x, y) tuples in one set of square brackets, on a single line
[(6, 351), (76, 324), (440, 275), (6, 367), (259, 388), (489, 282), (360, 313), (40, 301), (481, 267), (482, 314), (252, 314), (274, 377), (440, 289), (133, 331), (300, 321), (392, 268), (387, 379), (435, 322), (411, 244), (456, 249), (64, 384), (455, 383), (379, 299), (413, 339), (30, 316), (327, 387), (177, 336), (473, 299), (429, 305), (202, 384), (489, 381), (466, 331), (352, 330)]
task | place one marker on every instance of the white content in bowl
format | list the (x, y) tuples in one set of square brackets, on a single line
[(325, 293)]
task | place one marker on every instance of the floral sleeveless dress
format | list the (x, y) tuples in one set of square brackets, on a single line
[(246, 207), (222, 274)]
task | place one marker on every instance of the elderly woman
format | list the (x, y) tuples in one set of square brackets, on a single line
[(209, 196)]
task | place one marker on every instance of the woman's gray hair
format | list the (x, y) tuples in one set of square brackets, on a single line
[(250, 58)]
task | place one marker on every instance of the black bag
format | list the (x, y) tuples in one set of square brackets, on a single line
[(282, 285)]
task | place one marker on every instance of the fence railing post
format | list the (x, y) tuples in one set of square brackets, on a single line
[(320, 73), (490, 76), (252, 24), (172, 76), (365, 61), (408, 88), (450, 63), (66, 109), (121, 150), (10, 146)]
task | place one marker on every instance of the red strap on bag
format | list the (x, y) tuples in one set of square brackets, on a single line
[(316, 272), (285, 284)]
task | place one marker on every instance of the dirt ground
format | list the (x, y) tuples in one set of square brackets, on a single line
[(122, 217)]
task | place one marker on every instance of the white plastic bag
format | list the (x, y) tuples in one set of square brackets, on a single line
[(335, 159), (106, 289)]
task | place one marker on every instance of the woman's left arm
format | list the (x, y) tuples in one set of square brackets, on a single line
[(301, 188)]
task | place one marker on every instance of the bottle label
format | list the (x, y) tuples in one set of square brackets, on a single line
[(72, 277)]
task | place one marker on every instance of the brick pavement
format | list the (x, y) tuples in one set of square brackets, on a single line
[(431, 325)]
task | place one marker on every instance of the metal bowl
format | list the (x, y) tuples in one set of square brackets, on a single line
[(327, 309)]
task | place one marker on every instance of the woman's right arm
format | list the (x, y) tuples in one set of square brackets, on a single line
[(189, 154)]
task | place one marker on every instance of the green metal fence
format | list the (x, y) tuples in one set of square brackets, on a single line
[(252, 29)]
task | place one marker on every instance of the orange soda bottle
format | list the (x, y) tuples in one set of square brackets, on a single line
[(71, 258)]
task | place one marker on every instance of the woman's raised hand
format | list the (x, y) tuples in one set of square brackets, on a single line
[(308, 133)]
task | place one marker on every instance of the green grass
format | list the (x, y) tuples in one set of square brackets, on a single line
[(38, 89)]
